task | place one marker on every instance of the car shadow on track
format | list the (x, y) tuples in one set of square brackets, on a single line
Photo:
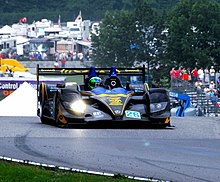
[(113, 125), (118, 126)]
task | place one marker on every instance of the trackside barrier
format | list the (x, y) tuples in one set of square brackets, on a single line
[(198, 98), (184, 102)]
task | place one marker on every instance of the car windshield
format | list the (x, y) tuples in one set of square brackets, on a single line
[(131, 79)]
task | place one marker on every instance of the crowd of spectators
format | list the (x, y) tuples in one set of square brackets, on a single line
[(10, 53), (43, 56), (204, 75), (61, 58), (68, 56), (203, 79)]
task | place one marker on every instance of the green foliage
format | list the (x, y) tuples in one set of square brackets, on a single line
[(194, 33), (112, 46), (120, 30), (91, 9)]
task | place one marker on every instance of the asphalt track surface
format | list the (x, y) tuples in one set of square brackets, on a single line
[(188, 152)]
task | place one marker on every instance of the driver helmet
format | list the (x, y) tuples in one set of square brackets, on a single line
[(94, 82)]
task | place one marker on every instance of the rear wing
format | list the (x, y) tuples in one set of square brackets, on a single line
[(139, 71), (84, 71)]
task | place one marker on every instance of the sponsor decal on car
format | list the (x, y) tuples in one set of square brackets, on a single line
[(132, 114), (98, 114), (115, 101), (117, 111)]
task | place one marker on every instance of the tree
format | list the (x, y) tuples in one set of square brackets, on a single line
[(194, 30), (112, 46), (125, 38)]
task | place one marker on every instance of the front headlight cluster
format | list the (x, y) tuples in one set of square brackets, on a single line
[(78, 106), (155, 107)]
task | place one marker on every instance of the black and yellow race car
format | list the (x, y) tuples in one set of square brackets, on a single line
[(106, 96)]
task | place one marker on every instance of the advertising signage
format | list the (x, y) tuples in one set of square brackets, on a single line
[(7, 86)]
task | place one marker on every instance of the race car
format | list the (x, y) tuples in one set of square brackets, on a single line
[(107, 95)]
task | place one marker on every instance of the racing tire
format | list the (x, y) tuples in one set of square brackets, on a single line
[(42, 98)]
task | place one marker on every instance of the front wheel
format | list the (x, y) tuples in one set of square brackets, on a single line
[(57, 115), (161, 123)]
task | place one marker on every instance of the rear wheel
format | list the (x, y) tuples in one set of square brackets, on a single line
[(42, 97)]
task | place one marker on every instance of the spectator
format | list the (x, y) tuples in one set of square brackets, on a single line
[(44, 56), (207, 76), (207, 90), (69, 56), (56, 64), (32, 55), (194, 75), (179, 72), (189, 74), (63, 58), (57, 56), (212, 73), (198, 86), (74, 56), (212, 85), (39, 57), (185, 75), (61, 55), (173, 76), (15, 55), (63, 62), (201, 74), (1, 56), (172, 73), (213, 96), (80, 56), (10, 54)]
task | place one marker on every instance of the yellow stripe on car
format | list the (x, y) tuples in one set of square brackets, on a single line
[(61, 117), (112, 95), (167, 120)]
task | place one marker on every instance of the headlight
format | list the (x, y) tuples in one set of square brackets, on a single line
[(78, 106), (159, 106), (155, 107)]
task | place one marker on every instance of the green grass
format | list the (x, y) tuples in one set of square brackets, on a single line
[(16, 172)]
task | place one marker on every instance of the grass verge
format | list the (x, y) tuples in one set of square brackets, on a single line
[(16, 172)]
